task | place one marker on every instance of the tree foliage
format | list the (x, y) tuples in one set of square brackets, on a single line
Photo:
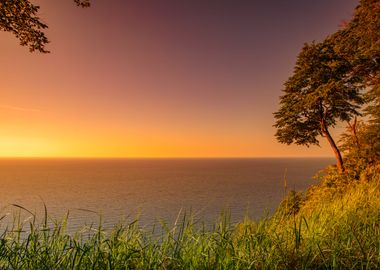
[(361, 147), (331, 82), (317, 95), (359, 42), (82, 3), (20, 17)]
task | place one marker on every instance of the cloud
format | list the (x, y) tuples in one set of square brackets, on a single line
[(16, 108)]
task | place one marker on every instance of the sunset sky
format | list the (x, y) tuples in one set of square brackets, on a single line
[(158, 78)]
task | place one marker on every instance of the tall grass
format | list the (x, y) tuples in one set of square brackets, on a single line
[(341, 232)]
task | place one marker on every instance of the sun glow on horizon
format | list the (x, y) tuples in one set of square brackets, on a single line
[(37, 133), (157, 80)]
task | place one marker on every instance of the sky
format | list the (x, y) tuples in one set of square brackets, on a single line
[(165, 78)]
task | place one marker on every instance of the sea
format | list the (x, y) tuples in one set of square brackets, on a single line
[(153, 191)]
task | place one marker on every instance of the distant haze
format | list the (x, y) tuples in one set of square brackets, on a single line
[(158, 78)]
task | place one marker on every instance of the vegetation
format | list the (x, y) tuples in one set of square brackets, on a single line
[(337, 79), (20, 17), (316, 96), (331, 81), (335, 225)]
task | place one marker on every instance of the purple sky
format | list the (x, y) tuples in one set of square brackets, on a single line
[(158, 78)]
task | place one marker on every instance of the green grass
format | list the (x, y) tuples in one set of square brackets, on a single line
[(329, 230)]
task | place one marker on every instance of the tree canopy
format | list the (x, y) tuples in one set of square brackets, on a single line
[(316, 96), (20, 17), (331, 82), (359, 42)]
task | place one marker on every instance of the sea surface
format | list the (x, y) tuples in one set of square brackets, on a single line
[(151, 190)]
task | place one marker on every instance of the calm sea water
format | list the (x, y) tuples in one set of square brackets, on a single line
[(153, 189)]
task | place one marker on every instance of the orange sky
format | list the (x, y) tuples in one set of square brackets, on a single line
[(148, 79)]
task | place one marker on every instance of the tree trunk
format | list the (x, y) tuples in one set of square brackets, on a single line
[(338, 156), (353, 128)]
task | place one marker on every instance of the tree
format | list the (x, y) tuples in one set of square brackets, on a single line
[(361, 147), (334, 74), (20, 17), (359, 43), (319, 94)]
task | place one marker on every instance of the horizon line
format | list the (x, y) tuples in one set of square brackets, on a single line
[(148, 157)]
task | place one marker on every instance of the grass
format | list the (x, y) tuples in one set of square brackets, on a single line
[(330, 229)]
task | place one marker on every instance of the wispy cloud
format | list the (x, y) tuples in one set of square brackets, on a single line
[(16, 108)]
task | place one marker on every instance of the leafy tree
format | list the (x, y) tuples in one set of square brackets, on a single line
[(361, 147), (317, 96), (334, 73), (20, 17), (359, 43)]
